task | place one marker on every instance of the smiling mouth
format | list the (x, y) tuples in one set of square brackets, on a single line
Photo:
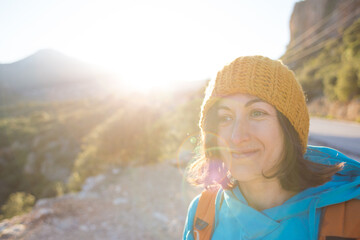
[(243, 154)]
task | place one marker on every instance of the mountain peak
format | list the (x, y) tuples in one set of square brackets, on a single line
[(42, 75), (47, 56)]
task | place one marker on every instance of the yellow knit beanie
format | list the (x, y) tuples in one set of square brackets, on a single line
[(267, 79)]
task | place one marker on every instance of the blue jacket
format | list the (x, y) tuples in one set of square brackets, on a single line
[(297, 218)]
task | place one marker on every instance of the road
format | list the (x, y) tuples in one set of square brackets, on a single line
[(342, 135)]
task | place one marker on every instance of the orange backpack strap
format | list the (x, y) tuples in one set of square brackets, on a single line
[(205, 215), (341, 221)]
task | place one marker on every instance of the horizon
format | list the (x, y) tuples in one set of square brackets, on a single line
[(145, 42)]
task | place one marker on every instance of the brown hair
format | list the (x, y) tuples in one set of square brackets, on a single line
[(294, 171)]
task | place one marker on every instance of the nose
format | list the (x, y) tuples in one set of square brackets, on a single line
[(240, 132)]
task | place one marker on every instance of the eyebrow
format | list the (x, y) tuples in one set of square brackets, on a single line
[(255, 100)]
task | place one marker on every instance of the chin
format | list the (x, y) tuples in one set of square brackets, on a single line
[(243, 174)]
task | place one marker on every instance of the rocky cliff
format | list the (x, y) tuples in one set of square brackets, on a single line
[(313, 22)]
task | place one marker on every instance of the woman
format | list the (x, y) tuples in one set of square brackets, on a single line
[(261, 179)]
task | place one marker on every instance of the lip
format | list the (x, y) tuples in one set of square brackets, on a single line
[(243, 154)]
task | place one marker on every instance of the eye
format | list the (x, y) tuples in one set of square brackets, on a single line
[(223, 119), (257, 113)]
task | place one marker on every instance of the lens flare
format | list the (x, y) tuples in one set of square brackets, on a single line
[(215, 172), (187, 151)]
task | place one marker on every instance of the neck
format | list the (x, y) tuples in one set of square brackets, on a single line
[(264, 194)]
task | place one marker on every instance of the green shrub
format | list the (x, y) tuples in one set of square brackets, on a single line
[(352, 38), (347, 87), (17, 204), (335, 71), (44, 129), (133, 134), (75, 182), (53, 189)]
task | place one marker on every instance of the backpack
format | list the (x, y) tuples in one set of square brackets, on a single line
[(339, 222)]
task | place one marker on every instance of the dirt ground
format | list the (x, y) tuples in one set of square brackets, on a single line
[(147, 202)]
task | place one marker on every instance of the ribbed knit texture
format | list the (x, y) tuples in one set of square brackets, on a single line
[(267, 79)]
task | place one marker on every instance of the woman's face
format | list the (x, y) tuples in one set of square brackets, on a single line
[(250, 137)]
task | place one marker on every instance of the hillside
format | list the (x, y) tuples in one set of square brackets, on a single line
[(48, 149), (147, 202), (51, 76), (79, 162), (324, 52)]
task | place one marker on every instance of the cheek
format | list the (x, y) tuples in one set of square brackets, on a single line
[(269, 132), (222, 146), (221, 143), (223, 136), (276, 138), (274, 146)]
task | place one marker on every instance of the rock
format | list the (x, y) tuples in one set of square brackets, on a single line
[(113, 206), (120, 200), (315, 21), (85, 195), (115, 171), (84, 228), (64, 223), (160, 216), (173, 224), (105, 225), (12, 231), (118, 189), (3, 225), (93, 227), (42, 212), (91, 182), (41, 202)]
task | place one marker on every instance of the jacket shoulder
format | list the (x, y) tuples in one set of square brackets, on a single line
[(329, 156), (187, 233)]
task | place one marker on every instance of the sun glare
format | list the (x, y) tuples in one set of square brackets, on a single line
[(136, 49), (153, 45)]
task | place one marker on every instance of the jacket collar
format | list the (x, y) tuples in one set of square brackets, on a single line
[(253, 223)]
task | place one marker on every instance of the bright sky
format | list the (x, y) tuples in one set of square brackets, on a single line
[(157, 40)]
